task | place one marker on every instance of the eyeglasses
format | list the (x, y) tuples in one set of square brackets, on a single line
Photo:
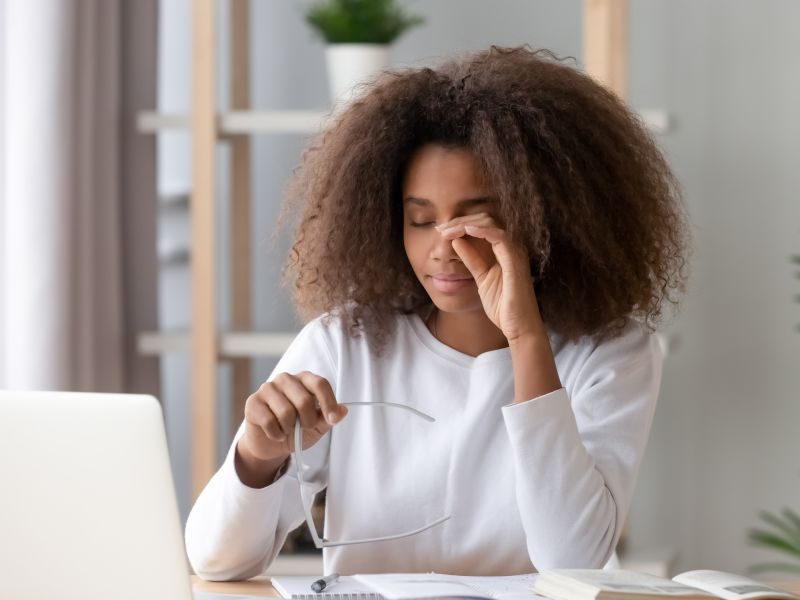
[(298, 460)]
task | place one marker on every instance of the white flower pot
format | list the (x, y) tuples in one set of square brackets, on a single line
[(351, 64)]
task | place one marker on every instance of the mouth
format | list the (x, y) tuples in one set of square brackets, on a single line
[(451, 283)]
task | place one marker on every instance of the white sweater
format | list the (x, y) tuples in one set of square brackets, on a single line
[(541, 484)]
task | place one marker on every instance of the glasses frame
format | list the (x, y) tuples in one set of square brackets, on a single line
[(321, 542)]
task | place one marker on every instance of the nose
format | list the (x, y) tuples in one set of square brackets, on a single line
[(442, 250)]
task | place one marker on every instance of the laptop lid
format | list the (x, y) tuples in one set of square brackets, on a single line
[(87, 503)]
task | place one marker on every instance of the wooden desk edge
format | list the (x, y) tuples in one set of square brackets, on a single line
[(257, 586), (262, 586)]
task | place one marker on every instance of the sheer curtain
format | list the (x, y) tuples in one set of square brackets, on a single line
[(77, 211)]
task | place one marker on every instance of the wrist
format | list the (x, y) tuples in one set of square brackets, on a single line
[(530, 339), (253, 471), (534, 367)]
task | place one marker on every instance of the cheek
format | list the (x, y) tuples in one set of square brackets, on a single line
[(416, 248)]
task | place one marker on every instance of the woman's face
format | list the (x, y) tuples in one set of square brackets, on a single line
[(441, 184)]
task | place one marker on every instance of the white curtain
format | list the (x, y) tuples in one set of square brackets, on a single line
[(70, 211)]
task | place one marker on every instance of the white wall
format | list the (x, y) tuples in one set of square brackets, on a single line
[(724, 442)]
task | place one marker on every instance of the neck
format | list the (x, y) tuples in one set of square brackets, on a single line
[(470, 332)]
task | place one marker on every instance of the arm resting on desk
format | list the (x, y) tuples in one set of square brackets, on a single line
[(234, 531), (577, 459)]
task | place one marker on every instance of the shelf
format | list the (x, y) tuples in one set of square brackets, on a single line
[(172, 254), (297, 121), (296, 564), (234, 344), (240, 122)]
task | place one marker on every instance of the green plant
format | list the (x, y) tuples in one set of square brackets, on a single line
[(360, 21), (784, 536)]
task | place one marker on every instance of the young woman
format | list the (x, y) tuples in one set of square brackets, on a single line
[(489, 242)]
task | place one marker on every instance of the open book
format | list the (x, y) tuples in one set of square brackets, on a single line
[(616, 584)]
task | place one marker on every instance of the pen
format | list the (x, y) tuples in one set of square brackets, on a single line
[(327, 581)]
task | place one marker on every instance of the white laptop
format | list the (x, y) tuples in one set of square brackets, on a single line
[(87, 503)]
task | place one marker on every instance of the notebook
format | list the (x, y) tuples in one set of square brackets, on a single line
[(396, 586), (298, 587)]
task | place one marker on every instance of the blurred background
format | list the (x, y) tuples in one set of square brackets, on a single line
[(101, 208)]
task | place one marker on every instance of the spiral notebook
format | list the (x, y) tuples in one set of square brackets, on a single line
[(393, 586), (346, 588)]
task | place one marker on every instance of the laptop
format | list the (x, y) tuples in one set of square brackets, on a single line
[(87, 502)]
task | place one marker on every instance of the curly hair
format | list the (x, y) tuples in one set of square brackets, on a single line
[(576, 175)]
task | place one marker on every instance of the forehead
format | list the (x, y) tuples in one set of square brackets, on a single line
[(447, 173)]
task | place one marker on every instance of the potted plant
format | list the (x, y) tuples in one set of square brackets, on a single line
[(358, 34)]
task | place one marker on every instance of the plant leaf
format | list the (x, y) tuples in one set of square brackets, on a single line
[(360, 21), (761, 567), (773, 541), (788, 527), (791, 516)]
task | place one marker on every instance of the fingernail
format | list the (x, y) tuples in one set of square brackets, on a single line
[(332, 418)]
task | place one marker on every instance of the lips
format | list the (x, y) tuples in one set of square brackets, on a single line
[(451, 282)]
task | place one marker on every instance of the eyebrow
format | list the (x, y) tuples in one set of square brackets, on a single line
[(466, 202)]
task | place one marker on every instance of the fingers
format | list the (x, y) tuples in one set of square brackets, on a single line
[(505, 252), (257, 412), (323, 392), (481, 218), (476, 264), (297, 401), (278, 404)]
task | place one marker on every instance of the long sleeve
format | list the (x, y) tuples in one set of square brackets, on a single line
[(234, 531), (576, 459)]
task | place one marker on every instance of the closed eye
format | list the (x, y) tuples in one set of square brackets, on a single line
[(421, 224)]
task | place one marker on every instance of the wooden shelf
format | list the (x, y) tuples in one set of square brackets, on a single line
[(234, 344), (240, 122)]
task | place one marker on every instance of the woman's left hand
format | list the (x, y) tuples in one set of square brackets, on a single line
[(505, 284)]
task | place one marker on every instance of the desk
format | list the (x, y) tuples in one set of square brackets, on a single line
[(257, 586), (260, 586)]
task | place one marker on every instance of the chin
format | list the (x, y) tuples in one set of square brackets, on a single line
[(455, 303)]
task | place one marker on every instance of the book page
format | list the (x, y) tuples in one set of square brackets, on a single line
[(730, 586), (619, 581)]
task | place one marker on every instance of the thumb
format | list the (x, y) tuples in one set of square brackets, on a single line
[(471, 258), (339, 413)]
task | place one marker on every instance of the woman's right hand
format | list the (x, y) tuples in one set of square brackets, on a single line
[(271, 413)]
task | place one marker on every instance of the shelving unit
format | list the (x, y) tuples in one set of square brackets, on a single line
[(605, 58)]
